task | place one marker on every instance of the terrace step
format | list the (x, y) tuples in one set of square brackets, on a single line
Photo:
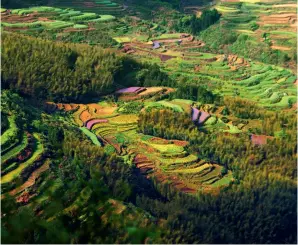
[(31, 180), (145, 165), (140, 161)]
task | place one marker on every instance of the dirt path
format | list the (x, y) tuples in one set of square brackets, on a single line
[(280, 48), (31, 180)]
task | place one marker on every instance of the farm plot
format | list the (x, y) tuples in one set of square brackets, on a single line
[(15, 173), (142, 93), (11, 136), (163, 104), (51, 19), (92, 136), (168, 150), (15, 150), (31, 180), (104, 7), (185, 172)]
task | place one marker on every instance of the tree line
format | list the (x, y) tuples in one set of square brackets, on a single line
[(69, 72), (193, 24)]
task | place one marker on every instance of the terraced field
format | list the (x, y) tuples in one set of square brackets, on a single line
[(268, 85), (16, 168), (155, 157), (37, 19), (104, 7), (254, 18)]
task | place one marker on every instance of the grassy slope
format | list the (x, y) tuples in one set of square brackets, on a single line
[(90, 135)]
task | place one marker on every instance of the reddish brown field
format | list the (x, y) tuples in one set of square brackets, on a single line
[(180, 143), (14, 18), (31, 180), (260, 139), (85, 115)]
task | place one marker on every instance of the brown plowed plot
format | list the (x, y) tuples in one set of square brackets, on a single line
[(67, 107), (180, 143), (77, 115), (260, 139), (159, 141), (60, 106), (278, 19), (85, 115), (74, 106), (18, 18), (31, 180), (143, 163), (44, 19), (101, 111)]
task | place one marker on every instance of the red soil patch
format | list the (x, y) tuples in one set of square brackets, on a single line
[(157, 140), (260, 139), (31, 180), (85, 115), (143, 163), (180, 143), (19, 18), (67, 107), (74, 106), (44, 19), (288, 18)]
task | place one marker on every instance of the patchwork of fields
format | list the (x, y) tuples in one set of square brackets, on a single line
[(23, 159), (168, 161), (37, 19), (254, 18)]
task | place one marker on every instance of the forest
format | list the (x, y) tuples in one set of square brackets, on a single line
[(64, 72)]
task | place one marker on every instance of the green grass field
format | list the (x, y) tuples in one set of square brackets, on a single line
[(91, 136)]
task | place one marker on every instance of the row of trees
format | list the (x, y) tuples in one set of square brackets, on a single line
[(194, 25)]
